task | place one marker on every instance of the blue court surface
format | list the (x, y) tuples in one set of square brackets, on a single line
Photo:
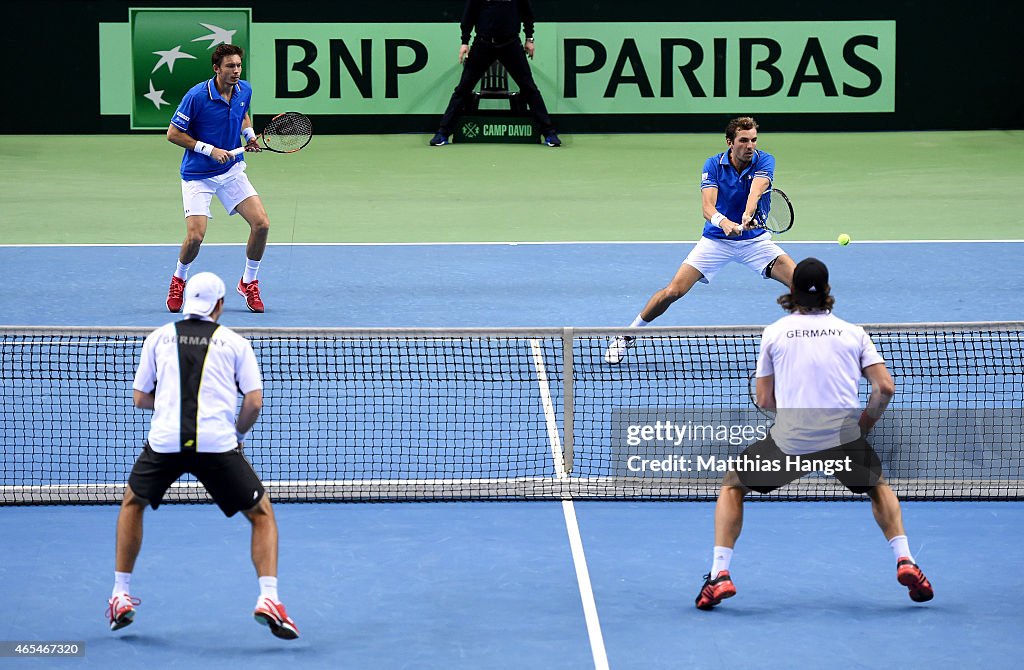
[(498, 285), (499, 585)]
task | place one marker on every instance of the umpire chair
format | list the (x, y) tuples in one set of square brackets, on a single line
[(494, 86)]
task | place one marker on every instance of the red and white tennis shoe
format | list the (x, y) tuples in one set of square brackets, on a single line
[(251, 293), (175, 295), (272, 613), (121, 610)]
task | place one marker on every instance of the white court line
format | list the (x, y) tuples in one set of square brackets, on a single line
[(572, 527), (780, 240)]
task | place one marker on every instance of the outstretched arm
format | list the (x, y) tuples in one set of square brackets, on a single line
[(758, 187), (709, 198)]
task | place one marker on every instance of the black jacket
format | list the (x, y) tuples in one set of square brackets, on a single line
[(497, 19)]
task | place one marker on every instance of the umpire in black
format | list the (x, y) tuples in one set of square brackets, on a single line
[(497, 24)]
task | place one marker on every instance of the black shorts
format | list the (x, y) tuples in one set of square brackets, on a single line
[(860, 474), (228, 477)]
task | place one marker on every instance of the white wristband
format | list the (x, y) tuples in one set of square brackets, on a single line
[(203, 148), (249, 134), (716, 219), (240, 436)]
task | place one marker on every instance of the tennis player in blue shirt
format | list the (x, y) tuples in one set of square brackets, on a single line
[(731, 184), (208, 123)]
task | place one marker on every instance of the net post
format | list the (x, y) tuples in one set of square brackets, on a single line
[(568, 340)]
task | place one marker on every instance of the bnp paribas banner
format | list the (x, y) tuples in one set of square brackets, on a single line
[(171, 51), (581, 68)]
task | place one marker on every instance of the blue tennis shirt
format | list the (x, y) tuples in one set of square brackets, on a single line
[(208, 117), (734, 189)]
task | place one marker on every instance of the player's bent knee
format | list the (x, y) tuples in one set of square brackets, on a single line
[(261, 509), (781, 269), (879, 491), (132, 499), (731, 485), (671, 293)]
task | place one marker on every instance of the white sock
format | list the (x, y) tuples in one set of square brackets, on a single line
[(268, 588), (122, 583), (181, 272), (638, 322), (900, 547), (722, 556), (251, 268)]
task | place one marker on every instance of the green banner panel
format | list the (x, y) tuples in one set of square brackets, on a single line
[(715, 68), (581, 68), (356, 68), (171, 51)]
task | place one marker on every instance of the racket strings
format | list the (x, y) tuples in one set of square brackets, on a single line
[(288, 132), (779, 215)]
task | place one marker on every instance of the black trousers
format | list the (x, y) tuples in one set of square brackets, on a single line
[(513, 57)]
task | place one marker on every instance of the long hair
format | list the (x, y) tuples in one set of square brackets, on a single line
[(788, 303)]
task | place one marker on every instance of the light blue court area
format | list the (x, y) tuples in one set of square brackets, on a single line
[(472, 585), (816, 586), (498, 285), (499, 585), (370, 586)]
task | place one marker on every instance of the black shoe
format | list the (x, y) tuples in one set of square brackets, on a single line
[(439, 139), (551, 139)]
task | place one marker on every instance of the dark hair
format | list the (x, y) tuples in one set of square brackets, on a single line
[(224, 50), (788, 303), (739, 123)]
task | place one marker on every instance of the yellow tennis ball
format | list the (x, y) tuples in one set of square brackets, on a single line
[(843, 239)]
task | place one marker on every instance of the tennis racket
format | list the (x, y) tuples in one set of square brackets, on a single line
[(284, 134), (774, 212)]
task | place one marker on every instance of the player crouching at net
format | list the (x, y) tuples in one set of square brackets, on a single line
[(208, 124), (201, 367), (813, 359)]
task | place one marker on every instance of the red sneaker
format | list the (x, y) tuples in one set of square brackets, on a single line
[(251, 293), (175, 295), (121, 610), (715, 590), (908, 574), (271, 613)]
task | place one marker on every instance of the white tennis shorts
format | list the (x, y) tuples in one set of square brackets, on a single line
[(231, 188), (710, 256)]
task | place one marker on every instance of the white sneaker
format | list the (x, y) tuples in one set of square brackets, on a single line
[(617, 349), (121, 610)]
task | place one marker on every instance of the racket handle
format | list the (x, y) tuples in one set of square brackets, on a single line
[(237, 152)]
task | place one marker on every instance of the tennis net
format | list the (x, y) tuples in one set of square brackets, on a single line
[(511, 414)]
